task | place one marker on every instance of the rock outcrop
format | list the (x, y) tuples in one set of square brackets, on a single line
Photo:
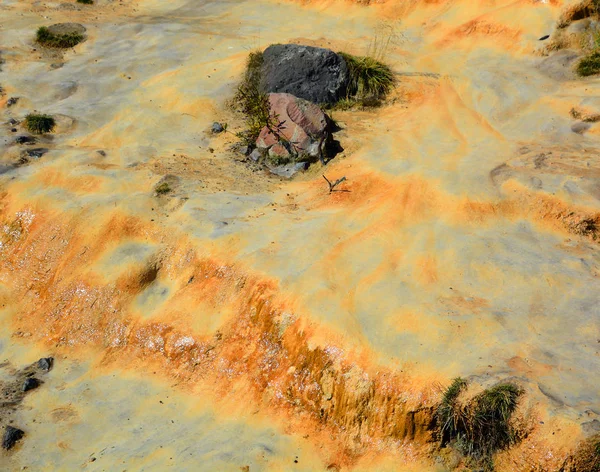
[(314, 74), (300, 134), (66, 28)]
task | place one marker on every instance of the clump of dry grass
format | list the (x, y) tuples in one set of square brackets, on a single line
[(586, 458)]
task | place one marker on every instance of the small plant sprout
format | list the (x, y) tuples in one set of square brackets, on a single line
[(333, 185), (162, 189)]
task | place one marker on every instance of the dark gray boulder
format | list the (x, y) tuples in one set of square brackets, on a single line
[(314, 74)]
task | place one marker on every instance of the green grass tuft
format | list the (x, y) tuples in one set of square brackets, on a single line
[(369, 77), (480, 426), (589, 65), (48, 39), (491, 413), (39, 124), (450, 412)]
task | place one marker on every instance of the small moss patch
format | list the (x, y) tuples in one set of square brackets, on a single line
[(39, 124), (162, 189), (66, 40), (589, 65), (251, 102)]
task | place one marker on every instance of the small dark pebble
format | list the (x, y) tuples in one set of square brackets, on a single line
[(11, 436), (13, 122), (102, 153), (13, 130), (25, 140), (211, 150), (45, 363), (36, 153), (544, 38), (30, 384), (12, 101)]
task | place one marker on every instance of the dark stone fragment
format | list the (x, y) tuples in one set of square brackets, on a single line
[(25, 140), (11, 436), (36, 153), (217, 128), (30, 383), (12, 101), (45, 363)]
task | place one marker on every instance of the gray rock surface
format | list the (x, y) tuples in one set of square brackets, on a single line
[(314, 74), (289, 170), (580, 127), (67, 28), (559, 66)]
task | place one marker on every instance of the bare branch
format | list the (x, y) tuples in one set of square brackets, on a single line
[(333, 185)]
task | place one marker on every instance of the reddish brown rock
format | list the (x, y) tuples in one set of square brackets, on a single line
[(302, 130)]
